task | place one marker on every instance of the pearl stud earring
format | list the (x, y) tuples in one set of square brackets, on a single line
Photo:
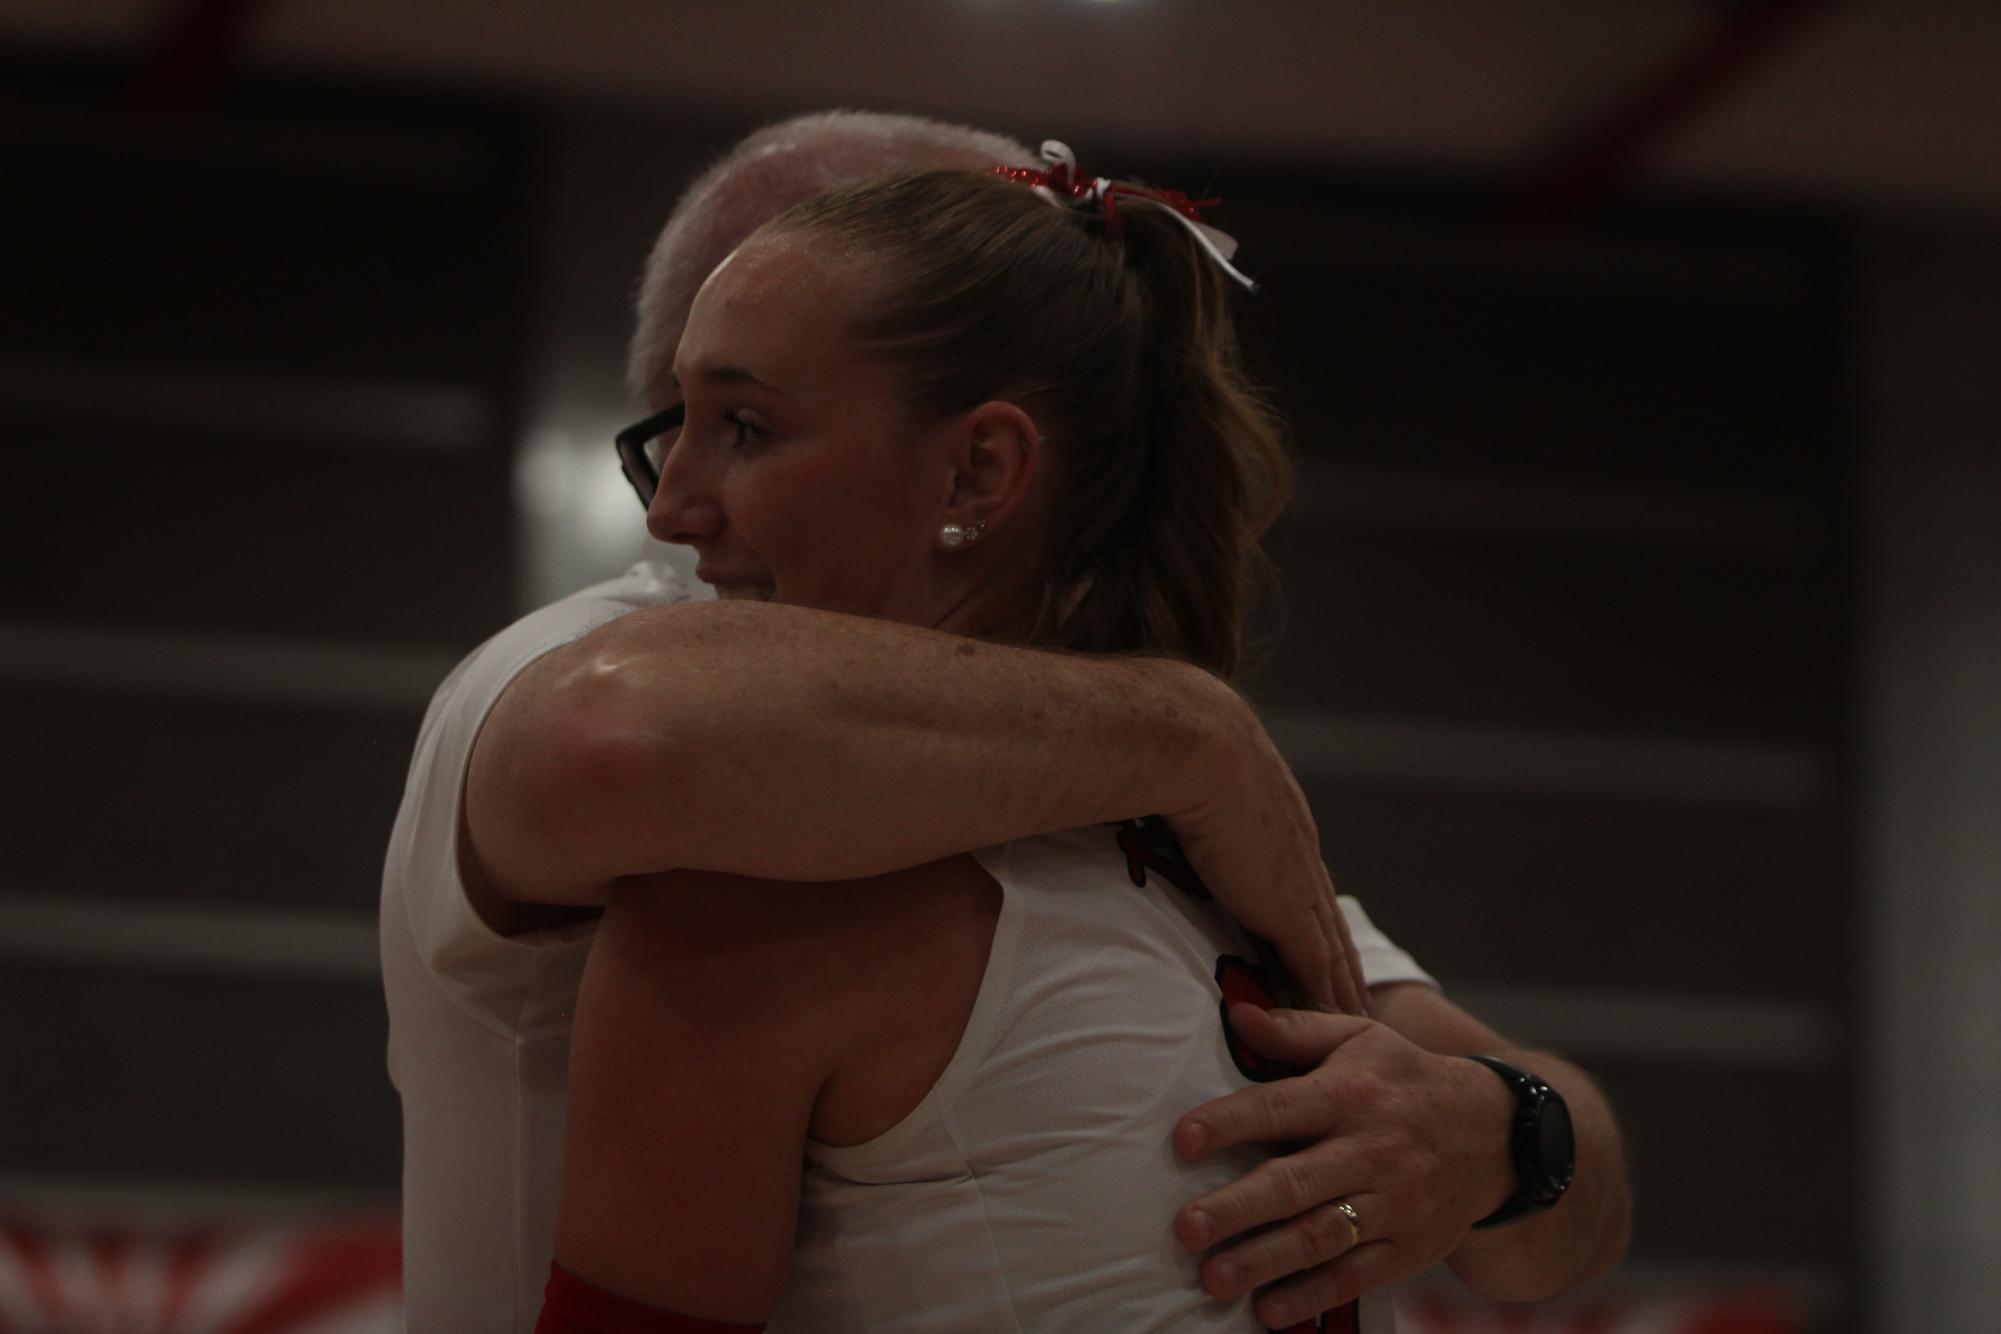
[(956, 535)]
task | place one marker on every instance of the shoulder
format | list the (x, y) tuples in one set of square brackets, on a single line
[(860, 988), (745, 979), (469, 692), (423, 867)]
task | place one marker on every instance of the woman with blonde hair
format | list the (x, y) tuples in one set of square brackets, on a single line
[(1009, 406)]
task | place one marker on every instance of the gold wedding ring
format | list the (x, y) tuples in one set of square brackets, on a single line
[(1354, 1222)]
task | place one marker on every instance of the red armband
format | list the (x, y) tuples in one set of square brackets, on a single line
[(572, 1306)]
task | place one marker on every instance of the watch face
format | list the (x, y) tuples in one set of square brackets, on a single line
[(1556, 1148)]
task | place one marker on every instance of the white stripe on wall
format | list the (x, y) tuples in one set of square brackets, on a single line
[(1333, 747), (240, 941), (204, 939), (425, 418), (1697, 1030), (167, 1201), (198, 666), (1322, 746), (1458, 504)]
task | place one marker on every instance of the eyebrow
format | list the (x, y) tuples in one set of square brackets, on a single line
[(731, 375)]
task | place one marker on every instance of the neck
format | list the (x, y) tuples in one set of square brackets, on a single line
[(1004, 615)]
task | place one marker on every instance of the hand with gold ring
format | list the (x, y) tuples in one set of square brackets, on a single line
[(1388, 1153)]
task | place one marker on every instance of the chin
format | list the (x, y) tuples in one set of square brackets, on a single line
[(744, 592)]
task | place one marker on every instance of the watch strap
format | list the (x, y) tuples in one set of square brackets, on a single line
[(1540, 1183)]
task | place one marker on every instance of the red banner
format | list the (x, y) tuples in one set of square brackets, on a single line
[(339, 1277)]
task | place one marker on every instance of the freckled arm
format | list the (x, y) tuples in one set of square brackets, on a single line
[(795, 744)]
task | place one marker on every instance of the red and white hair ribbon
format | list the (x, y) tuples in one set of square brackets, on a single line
[(1064, 185)]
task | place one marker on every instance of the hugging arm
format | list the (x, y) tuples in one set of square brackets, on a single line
[(789, 743)]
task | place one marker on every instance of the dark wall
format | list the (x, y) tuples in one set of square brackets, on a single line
[(258, 379)]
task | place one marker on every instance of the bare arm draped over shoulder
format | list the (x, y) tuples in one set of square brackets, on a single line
[(797, 744)]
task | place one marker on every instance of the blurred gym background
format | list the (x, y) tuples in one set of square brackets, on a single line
[(1644, 650)]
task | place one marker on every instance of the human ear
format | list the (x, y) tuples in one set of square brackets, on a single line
[(996, 452)]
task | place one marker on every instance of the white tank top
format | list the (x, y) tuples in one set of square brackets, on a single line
[(1035, 1187)]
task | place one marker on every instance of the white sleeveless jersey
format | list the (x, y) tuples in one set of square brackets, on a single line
[(1035, 1187)]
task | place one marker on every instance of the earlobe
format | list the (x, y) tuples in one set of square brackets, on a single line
[(998, 452)]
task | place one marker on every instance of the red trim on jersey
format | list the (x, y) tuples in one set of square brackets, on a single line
[(572, 1306), (1245, 983)]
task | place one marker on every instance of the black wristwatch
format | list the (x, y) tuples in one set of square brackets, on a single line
[(1541, 1143)]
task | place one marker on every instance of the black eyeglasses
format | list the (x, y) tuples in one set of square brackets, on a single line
[(643, 446)]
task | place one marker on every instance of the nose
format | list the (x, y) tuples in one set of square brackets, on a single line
[(684, 508)]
